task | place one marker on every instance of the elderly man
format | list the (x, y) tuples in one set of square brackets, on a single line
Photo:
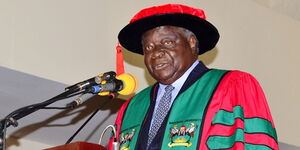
[(190, 106)]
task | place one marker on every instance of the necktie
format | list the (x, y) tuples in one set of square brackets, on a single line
[(161, 112)]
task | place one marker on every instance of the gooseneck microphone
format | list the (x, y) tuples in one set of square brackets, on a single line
[(124, 84), (91, 82), (79, 100)]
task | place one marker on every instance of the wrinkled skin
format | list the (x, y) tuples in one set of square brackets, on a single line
[(168, 53)]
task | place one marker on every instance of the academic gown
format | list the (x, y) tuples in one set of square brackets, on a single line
[(236, 117)]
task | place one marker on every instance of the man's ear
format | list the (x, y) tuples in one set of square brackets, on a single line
[(193, 44)]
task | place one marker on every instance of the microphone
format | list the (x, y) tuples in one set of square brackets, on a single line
[(129, 84), (124, 84), (79, 100), (91, 82)]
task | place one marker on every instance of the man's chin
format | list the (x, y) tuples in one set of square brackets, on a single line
[(165, 79)]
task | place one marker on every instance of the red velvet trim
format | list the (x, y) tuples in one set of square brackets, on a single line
[(168, 8)]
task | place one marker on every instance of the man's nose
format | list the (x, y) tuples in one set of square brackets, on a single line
[(158, 52)]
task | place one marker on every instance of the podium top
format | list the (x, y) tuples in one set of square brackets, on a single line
[(78, 146)]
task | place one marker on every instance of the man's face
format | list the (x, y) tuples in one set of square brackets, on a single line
[(168, 53)]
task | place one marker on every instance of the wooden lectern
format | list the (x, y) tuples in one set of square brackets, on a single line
[(78, 146)]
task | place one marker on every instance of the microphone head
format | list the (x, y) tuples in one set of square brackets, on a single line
[(129, 83)]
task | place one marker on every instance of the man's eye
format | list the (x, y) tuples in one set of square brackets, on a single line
[(149, 47), (168, 43)]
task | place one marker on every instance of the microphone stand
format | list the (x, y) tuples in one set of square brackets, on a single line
[(12, 118), (73, 90)]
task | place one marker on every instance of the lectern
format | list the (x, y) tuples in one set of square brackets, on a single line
[(78, 146)]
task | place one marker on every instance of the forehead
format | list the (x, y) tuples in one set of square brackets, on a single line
[(164, 30)]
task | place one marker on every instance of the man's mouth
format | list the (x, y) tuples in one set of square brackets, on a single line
[(160, 66)]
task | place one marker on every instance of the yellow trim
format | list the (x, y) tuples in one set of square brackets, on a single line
[(126, 147), (180, 144)]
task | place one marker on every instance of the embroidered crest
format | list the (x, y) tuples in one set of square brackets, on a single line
[(125, 140), (181, 136)]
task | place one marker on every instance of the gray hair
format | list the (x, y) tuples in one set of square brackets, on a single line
[(187, 33)]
